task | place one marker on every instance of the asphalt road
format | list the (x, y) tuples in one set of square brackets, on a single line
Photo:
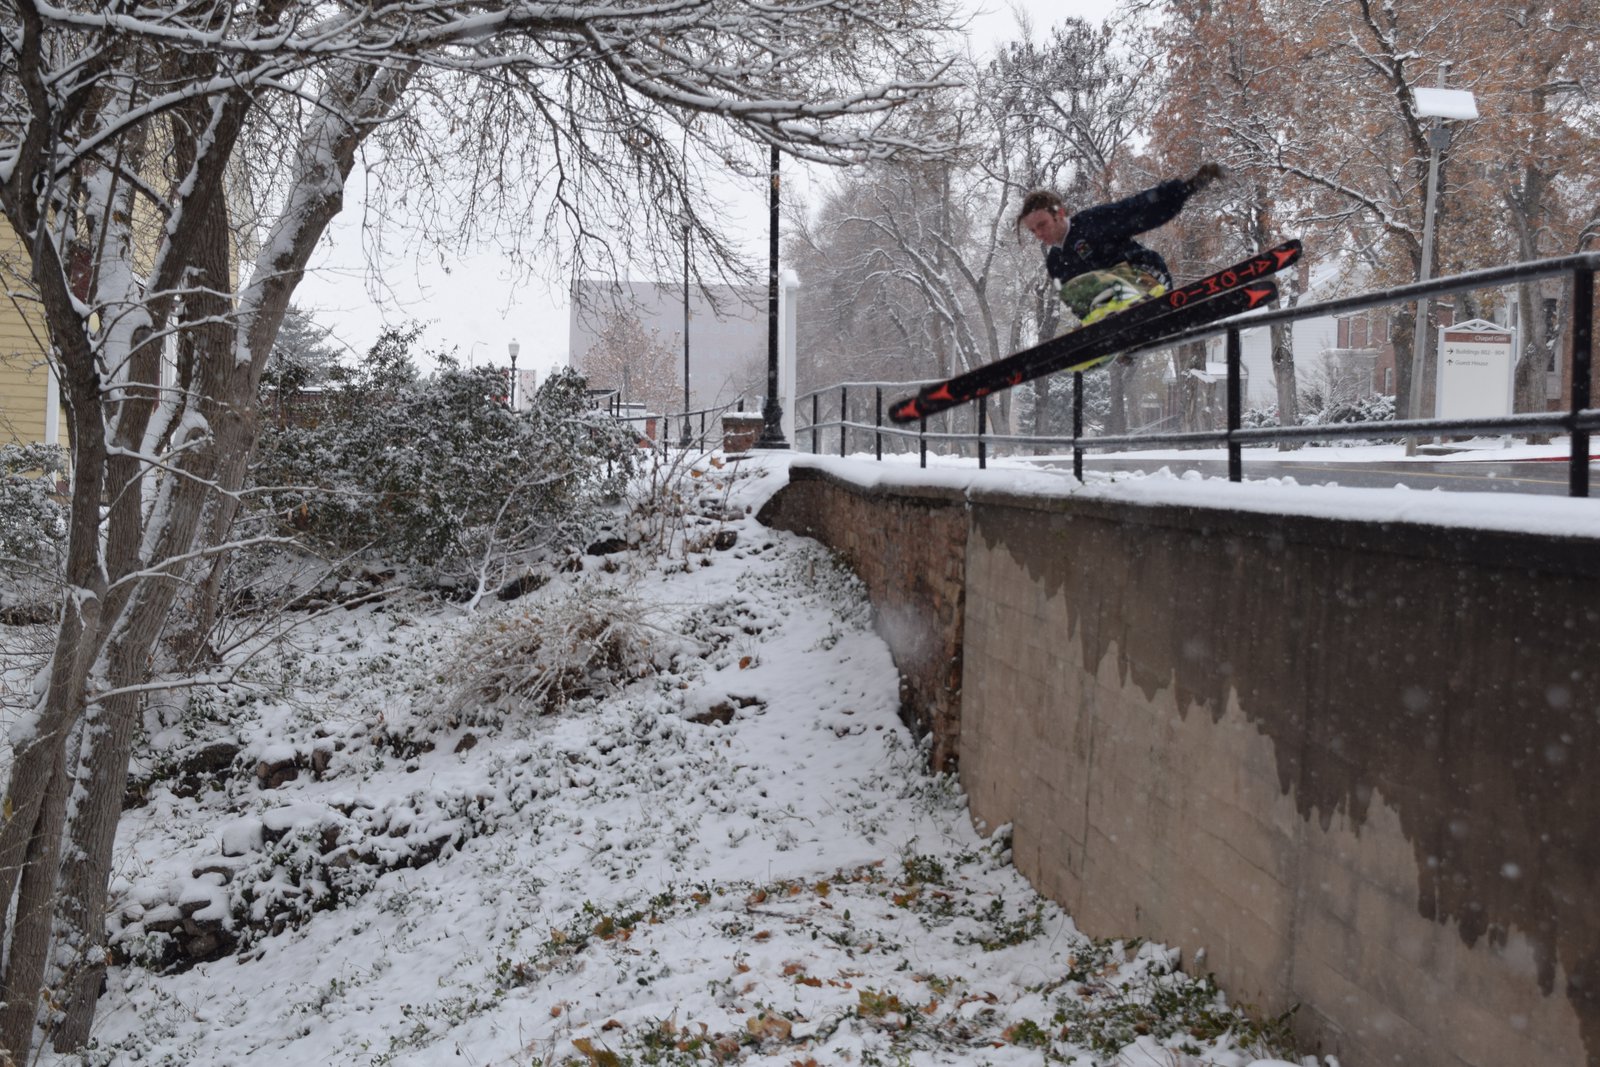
[(1477, 476)]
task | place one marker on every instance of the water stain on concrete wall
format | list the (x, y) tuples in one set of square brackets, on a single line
[(1453, 672)]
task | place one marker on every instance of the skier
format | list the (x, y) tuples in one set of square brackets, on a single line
[(1092, 253)]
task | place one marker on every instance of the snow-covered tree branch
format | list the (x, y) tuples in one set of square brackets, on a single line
[(169, 170)]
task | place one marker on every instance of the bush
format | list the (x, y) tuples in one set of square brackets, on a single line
[(1370, 408), (33, 523), (438, 473), (1316, 410), (1257, 417), (537, 659)]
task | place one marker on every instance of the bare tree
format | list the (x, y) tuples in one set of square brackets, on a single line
[(1065, 112), (150, 154), (1225, 77), (1317, 99), (914, 270), (640, 363)]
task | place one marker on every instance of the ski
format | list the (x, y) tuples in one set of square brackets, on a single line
[(1089, 346), (1148, 330)]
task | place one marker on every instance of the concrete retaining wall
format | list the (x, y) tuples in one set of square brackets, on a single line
[(1356, 765)]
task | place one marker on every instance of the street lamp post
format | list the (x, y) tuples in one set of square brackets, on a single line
[(1438, 104), (687, 439), (772, 411), (513, 348)]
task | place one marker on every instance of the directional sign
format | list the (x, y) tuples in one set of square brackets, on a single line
[(1476, 364)]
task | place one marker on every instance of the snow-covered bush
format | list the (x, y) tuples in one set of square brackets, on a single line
[(1260, 416), (32, 521), (1317, 410), (1370, 408), (437, 472)]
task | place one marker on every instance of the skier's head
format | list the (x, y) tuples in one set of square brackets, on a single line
[(1044, 215)]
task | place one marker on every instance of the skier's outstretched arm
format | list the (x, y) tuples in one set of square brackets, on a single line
[(1151, 208)]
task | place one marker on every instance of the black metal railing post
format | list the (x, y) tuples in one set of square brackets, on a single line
[(1077, 426), (1235, 407), (922, 441), (983, 428), (844, 416), (816, 414), (1582, 369), (877, 420)]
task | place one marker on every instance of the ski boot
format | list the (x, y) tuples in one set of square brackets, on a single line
[(1099, 293)]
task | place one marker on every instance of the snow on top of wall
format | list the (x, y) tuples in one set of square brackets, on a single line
[(1554, 516)]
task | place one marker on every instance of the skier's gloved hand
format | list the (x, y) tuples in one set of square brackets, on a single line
[(1208, 173)]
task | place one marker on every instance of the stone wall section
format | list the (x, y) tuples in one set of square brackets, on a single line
[(909, 547)]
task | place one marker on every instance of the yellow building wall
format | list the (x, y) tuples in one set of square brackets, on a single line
[(25, 386)]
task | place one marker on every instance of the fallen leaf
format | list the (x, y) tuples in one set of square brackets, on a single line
[(768, 1025), (597, 1057)]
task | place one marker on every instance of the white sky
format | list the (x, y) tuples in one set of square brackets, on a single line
[(476, 302)]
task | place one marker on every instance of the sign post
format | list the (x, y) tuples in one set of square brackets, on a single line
[(1477, 364)]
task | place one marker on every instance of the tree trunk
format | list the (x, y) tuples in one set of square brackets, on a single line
[(1401, 336), (211, 458), (1283, 373), (1117, 413), (81, 927), (37, 788), (1187, 357), (1534, 358), (35, 915), (1044, 402)]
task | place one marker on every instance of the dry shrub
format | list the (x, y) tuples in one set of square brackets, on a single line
[(538, 659)]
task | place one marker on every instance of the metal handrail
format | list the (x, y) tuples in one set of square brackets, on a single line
[(686, 418), (1579, 420)]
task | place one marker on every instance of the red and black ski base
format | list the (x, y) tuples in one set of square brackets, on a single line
[(1216, 296)]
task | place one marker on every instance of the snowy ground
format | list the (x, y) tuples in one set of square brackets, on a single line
[(733, 854)]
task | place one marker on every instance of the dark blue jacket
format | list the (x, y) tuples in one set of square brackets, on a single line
[(1101, 237)]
